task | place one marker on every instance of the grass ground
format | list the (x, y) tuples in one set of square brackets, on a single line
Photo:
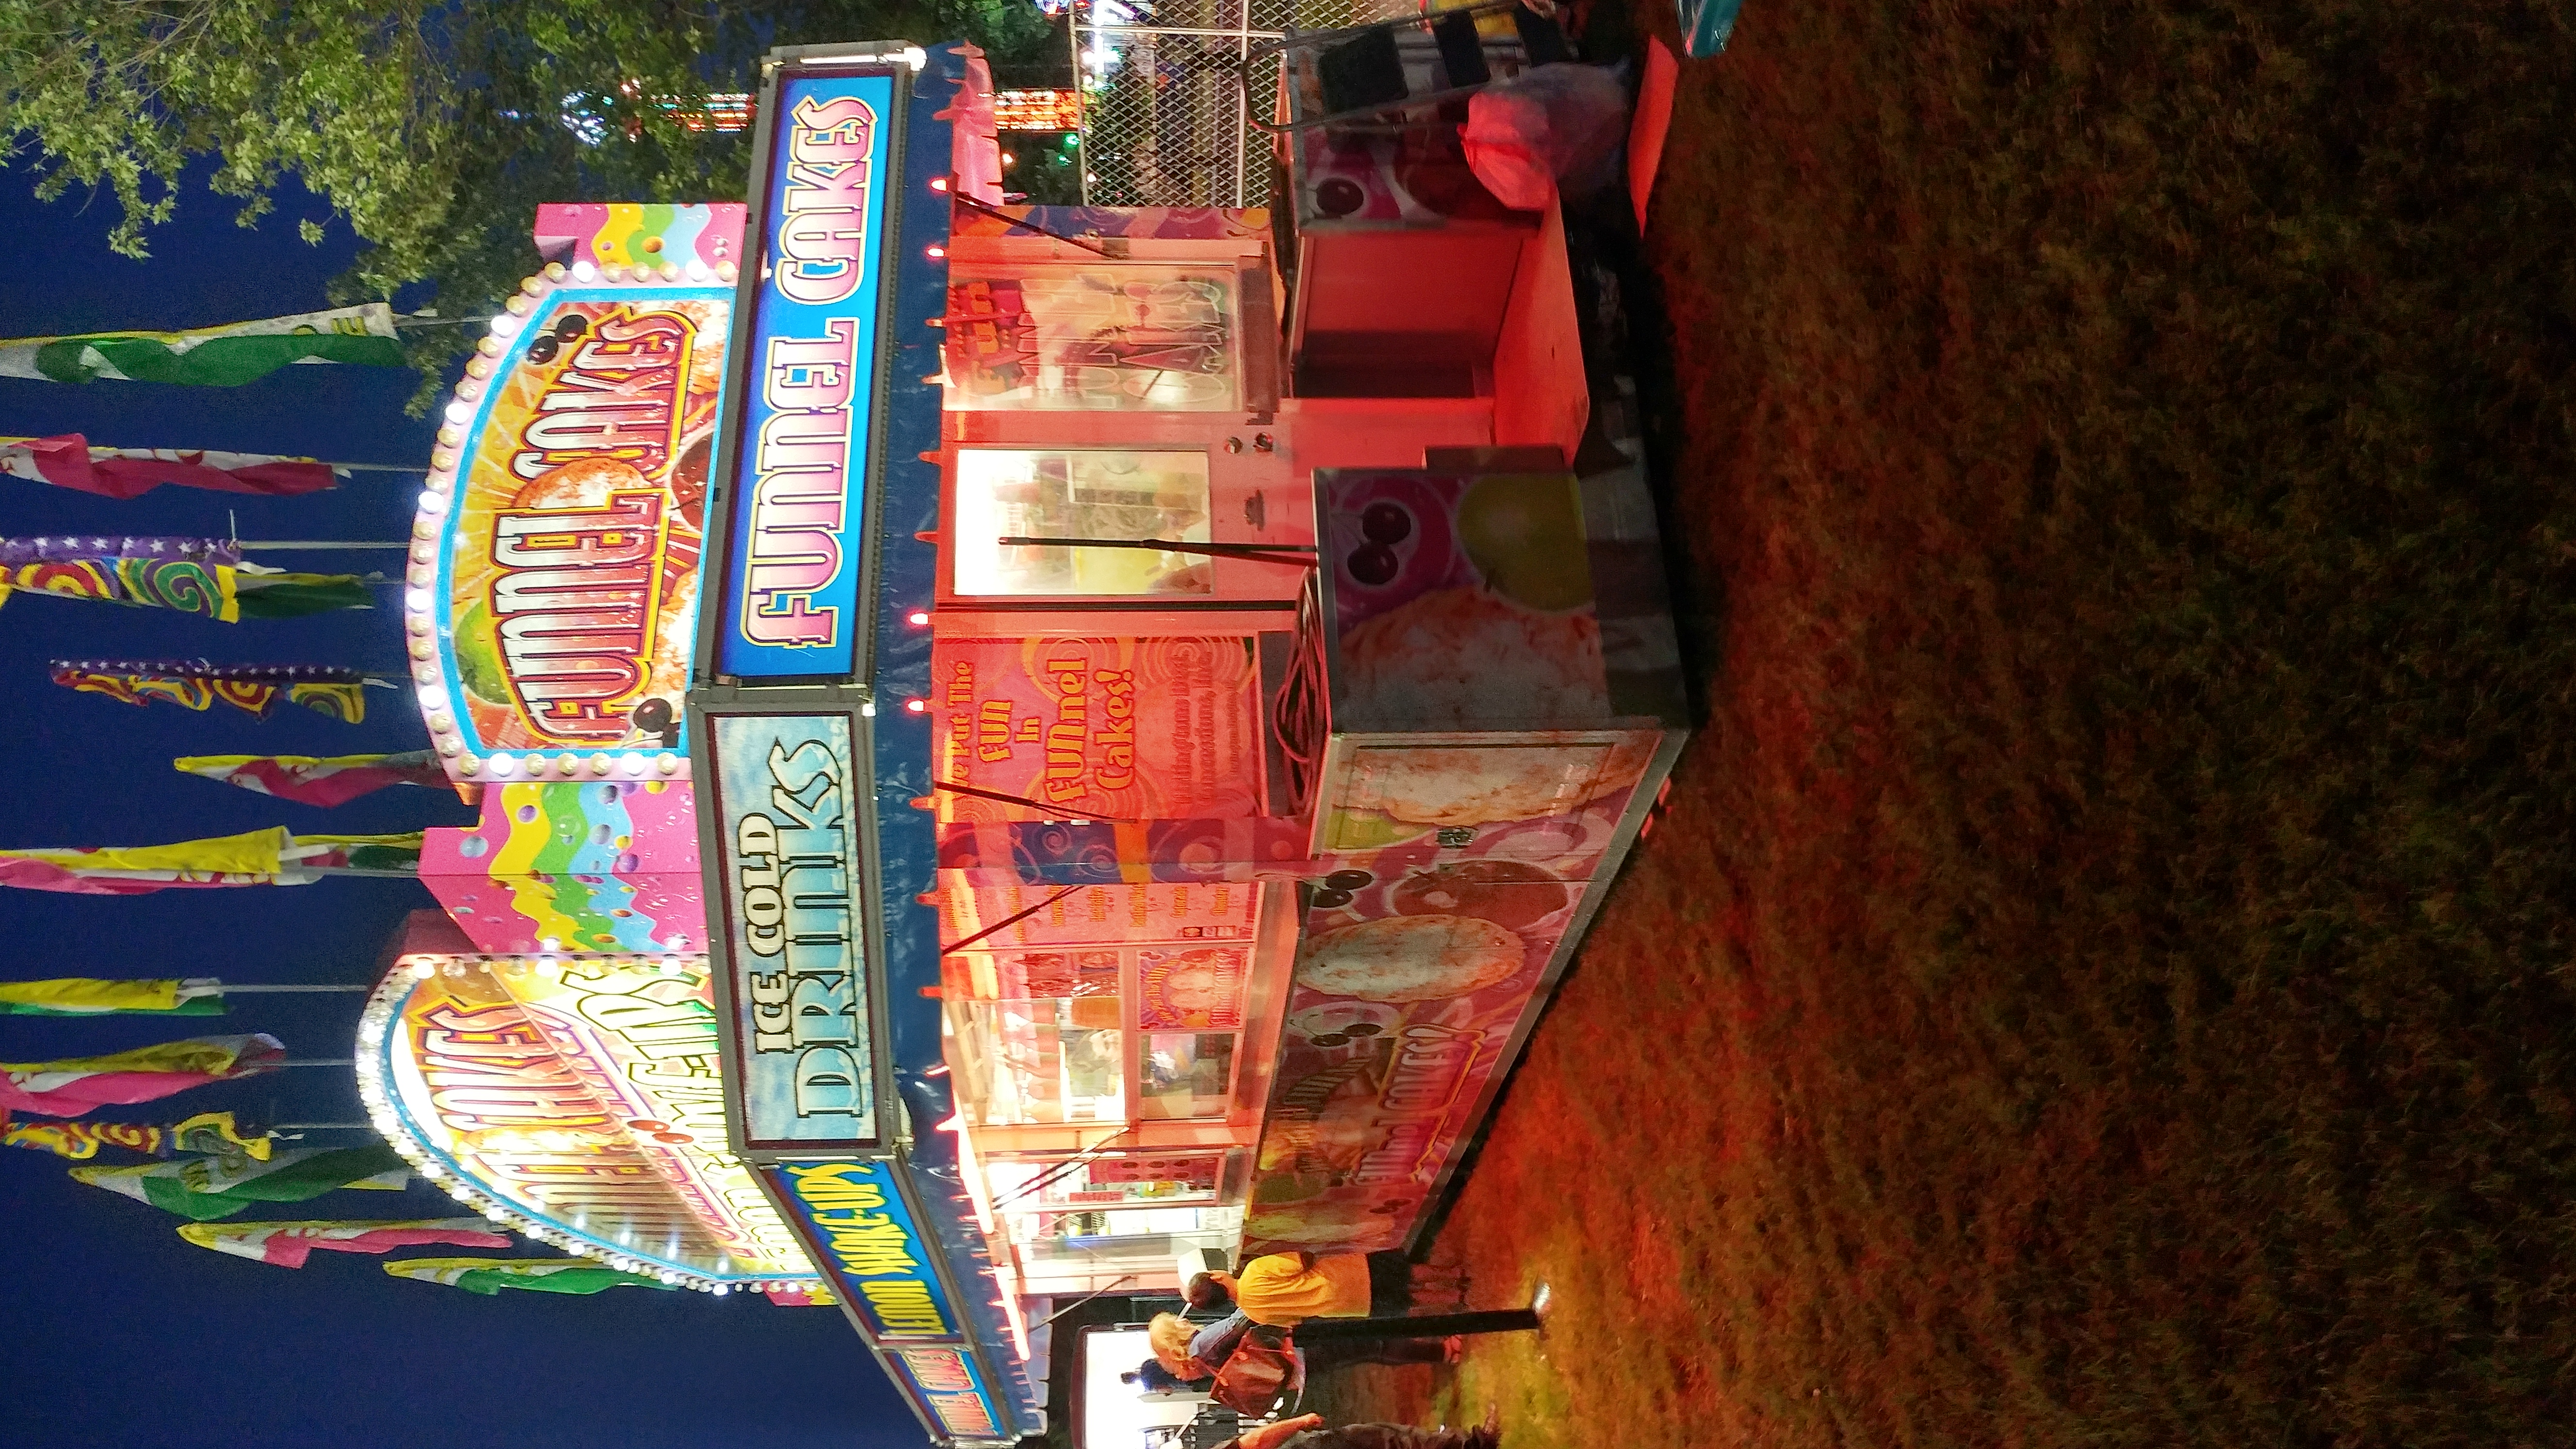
[(2105, 979)]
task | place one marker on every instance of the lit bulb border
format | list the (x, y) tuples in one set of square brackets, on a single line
[(374, 1024), (424, 610)]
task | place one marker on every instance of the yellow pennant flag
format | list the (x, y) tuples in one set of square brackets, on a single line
[(213, 1133), (253, 852), (88, 996)]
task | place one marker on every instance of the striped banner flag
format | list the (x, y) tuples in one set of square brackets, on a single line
[(68, 461), (205, 1190), (225, 356), (215, 1134), (90, 996), (254, 857), (193, 575), (289, 1244)]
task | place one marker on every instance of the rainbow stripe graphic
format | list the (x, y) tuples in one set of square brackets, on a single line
[(567, 847)]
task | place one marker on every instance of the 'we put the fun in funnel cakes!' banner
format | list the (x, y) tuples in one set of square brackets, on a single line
[(1101, 729), (1475, 792), (553, 590)]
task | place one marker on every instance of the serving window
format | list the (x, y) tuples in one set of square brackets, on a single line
[(1060, 1187), (1092, 506), (1115, 1035), (1094, 337)]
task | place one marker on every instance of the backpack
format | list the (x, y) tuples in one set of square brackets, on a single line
[(1262, 1369)]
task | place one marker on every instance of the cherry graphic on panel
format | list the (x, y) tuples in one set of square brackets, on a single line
[(1385, 522)]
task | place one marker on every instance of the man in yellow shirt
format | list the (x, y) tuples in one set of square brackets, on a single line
[(1286, 1289)]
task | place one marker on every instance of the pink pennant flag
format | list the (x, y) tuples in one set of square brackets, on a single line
[(288, 1245), (68, 461), (251, 858), (71, 1087), (37, 875)]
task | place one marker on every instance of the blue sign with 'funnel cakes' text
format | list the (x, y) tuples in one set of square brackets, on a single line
[(805, 442)]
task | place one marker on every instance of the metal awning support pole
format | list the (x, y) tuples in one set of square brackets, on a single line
[(1081, 134), (1050, 1319)]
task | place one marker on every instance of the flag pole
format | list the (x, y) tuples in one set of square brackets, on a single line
[(351, 870)]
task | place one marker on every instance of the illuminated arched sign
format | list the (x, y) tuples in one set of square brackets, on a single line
[(577, 1098), (553, 588)]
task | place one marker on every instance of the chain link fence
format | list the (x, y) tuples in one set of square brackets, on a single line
[(1162, 94)]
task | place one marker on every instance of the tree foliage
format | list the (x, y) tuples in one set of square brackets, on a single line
[(435, 129)]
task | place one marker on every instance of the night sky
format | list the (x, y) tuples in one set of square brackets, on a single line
[(119, 1332)]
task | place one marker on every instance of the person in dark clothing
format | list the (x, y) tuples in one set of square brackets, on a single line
[(1323, 1358), (1206, 1350), (1207, 1295), (1150, 1377)]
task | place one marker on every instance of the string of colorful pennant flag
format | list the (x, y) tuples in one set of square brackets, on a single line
[(206, 1167)]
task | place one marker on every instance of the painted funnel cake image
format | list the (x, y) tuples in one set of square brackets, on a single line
[(572, 560), (1410, 958)]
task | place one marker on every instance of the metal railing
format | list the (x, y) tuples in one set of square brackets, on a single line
[(1162, 108)]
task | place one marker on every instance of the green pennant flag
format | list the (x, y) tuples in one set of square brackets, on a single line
[(225, 356), (292, 596), (536, 1275), (203, 1190)]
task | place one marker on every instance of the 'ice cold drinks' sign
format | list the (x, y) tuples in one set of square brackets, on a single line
[(791, 861)]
